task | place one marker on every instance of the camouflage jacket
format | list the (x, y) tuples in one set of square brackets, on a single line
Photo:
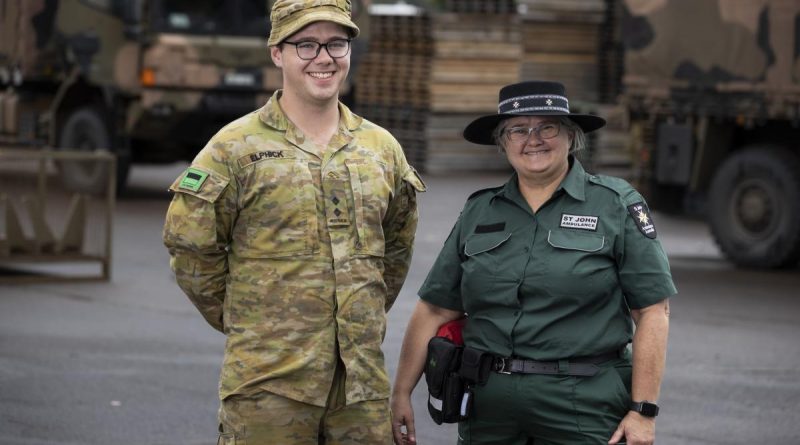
[(296, 257)]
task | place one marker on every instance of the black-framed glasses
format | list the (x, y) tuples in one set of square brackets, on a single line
[(520, 135), (309, 49)]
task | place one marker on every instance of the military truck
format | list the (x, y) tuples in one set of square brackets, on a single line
[(150, 80), (712, 92)]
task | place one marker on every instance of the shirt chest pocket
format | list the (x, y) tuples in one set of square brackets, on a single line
[(485, 244), (575, 241), (277, 216), (371, 186), (483, 264), (577, 261)]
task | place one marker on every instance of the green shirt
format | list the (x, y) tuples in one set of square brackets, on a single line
[(556, 284)]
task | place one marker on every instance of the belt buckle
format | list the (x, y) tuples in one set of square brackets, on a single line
[(500, 366)]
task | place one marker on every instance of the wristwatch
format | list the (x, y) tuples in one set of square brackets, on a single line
[(645, 408)]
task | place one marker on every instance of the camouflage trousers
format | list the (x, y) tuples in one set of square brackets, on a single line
[(265, 418)]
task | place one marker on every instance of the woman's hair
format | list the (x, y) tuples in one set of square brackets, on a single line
[(578, 136)]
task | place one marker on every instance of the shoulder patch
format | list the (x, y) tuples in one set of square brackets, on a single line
[(641, 216), (203, 183), (193, 179), (482, 191)]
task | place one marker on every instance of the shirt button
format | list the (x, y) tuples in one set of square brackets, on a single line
[(516, 313), (525, 249)]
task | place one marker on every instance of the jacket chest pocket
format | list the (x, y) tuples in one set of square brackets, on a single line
[(372, 190), (278, 211)]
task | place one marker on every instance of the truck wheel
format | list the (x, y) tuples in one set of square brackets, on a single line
[(85, 130), (754, 207)]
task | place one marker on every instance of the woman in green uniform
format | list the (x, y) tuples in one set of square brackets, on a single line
[(553, 270)]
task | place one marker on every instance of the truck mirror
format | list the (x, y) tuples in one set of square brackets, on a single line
[(130, 11)]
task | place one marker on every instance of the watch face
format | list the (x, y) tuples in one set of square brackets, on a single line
[(649, 409)]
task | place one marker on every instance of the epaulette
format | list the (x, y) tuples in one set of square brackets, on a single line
[(482, 191), (619, 186)]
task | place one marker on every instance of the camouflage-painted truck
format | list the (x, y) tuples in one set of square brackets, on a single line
[(712, 90), (150, 80)]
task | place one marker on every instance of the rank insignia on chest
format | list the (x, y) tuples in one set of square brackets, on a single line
[(581, 222), (641, 216), (193, 179), (336, 211)]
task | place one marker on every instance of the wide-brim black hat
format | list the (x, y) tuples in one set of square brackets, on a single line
[(533, 98)]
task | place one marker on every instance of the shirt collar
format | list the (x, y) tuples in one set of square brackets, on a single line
[(574, 184), (575, 181), (273, 116)]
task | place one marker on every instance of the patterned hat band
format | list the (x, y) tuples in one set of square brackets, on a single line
[(530, 98), (535, 103)]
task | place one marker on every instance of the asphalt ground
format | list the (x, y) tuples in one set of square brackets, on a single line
[(130, 361)]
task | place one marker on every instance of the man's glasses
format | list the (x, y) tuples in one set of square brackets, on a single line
[(520, 135), (309, 50)]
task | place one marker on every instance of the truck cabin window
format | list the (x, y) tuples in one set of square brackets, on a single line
[(217, 17)]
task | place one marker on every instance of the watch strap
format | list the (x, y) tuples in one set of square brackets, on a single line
[(645, 408)]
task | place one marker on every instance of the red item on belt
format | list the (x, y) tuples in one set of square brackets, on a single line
[(452, 330)]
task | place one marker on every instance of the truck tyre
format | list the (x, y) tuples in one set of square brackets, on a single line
[(754, 207), (86, 130)]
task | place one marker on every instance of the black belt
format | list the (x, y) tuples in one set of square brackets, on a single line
[(576, 366)]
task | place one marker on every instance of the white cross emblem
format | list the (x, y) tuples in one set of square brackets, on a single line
[(516, 104), (549, 102)]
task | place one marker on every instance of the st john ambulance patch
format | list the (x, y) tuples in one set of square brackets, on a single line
[(641, 216), (582, 222)]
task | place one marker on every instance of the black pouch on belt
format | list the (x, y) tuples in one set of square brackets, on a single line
[(475, 366), (445, 387)]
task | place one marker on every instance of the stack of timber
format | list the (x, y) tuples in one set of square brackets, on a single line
[(561, 39), (611, 54), (577, 43), (555, 11), (474, 56), (426, 77), (477, 6), (477, 52), (612, 153), (392, 87)]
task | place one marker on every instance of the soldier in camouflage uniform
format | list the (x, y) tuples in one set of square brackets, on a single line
[(292, 233)]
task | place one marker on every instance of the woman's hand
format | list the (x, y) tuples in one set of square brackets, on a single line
[(635, 429), (649, 355), (403, 420), (422, 326)]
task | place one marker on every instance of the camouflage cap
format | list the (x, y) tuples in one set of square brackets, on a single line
[(290, 16)]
